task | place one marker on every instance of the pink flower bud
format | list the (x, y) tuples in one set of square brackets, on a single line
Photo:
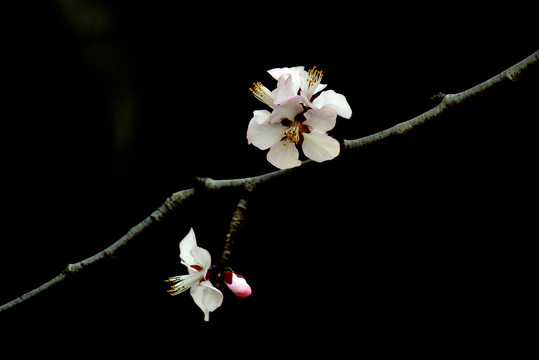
[(237, 284)]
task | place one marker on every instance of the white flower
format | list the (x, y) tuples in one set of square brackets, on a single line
[(302, 115), (198, 261)]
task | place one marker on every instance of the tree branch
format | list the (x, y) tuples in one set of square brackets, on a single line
[(248, 182), (448, 102), (167, 207)]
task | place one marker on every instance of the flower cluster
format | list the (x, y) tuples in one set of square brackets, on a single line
[(301, 115), (198, 263)]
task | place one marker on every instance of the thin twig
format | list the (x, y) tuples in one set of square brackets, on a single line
[(236, 224), (448, 102)]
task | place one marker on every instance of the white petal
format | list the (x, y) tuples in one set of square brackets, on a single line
[(197, 293), (207, 297), (320, 147), (335, 101), (321, 120), (320, 87), (294, 71), (306, 101), (202, 258), (261, 116), (284, 155), (287, 110), (188, 243), (263, 136), (213, 297)]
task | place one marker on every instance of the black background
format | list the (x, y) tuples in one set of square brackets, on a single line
[(415, 245)]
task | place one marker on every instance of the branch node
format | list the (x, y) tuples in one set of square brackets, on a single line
[(250, 185), (200, 182), (511, 74), (439, 96), (207, 183), (68, 269), (71, 269), (110, 254)]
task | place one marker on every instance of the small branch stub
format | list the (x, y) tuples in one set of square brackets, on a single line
[(235, 225), (438, 96)]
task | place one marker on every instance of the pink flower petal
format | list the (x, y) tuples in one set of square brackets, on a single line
[(286, 88), (237, 284)]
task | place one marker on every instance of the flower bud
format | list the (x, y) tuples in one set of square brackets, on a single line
[(237, 284)]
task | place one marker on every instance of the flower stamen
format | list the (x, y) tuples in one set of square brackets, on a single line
[(182, 283), (293, 134), (314, 77), (263, 94)]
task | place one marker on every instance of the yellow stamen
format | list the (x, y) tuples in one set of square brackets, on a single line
[(262, 93), (293, 133), (314, 77)]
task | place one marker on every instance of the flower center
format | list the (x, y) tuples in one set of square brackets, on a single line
[(295, 129), (197, 267)]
